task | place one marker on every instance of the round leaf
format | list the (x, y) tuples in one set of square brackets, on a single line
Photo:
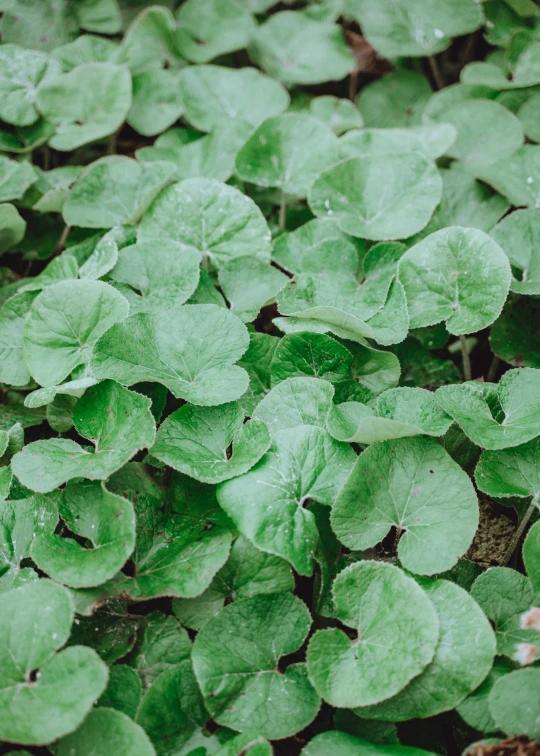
[(513, 703), (510, 472), (106, 730)]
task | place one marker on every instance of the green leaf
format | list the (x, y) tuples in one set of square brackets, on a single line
[(115, 190), (513, 703), (105, 521), (15, 178), (159, 274), (117, 421), (64, 323), (474, 710), (181, 543), (123, 691), (257, 362), (378, 196), (12, 227), (86, 49), (192, 353), (415, 486), (149, 42), (519, 236), (295, 402), (310, 354), (163, 644), (236, 655), (35, 623), (460, 276), (249, 284), (496, 417), (20, 522), (247, 743), (21, 73), (266, 504), (298, 50), (396, 99), (172, 709), (211, 444), (431, 140), (343, 744), (63, 268), (209, 28), (398, 413), (510, 472), (397, 628), (37, 25), (248, 572), (213, 94), (157, 102), (463, 657), (373, 372), (517, 177), (487, 132), (288, 152), (13, 315), (504, 595), (106, 730), (402, 28), (341, 115), (531, 550), (218, 220), (85, 104)]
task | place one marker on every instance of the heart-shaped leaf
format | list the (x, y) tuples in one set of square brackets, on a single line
[(256, 695), (211, 444), (192, 353), (510, 472), (157, 102), (208, 29), (405, 484), (117, 421), (397, 628), (22, 71), (104, 729)]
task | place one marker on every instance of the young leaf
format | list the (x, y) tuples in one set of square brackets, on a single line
[(463, 658), (101, 518), (287, 152), (266, 504), (406, 484), (35, 623), (212, 94), (456, 275), (117, 421), (211, 444), (192, 353), (297, 50), (496, 417), (236, 655), (105, 729), (115, 190), (397, 628), (248, 572), (378, 196), (159, 275), (218, 220), (85, 104), (64, 323)]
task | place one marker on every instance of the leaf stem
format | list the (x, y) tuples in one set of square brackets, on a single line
[(283, 211), (353, 85), (62, 240), (397, 536), (467, 374), (492, 372), (435, 72), (519, 532)]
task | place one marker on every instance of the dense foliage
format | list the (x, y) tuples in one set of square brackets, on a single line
[(270, 377)]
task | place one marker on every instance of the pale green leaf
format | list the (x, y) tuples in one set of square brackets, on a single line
[(210, 28)]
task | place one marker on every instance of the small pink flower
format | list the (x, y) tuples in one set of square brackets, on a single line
[(526, 653), (531, 619)]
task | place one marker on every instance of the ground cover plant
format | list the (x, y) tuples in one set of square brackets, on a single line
[(270, 377)]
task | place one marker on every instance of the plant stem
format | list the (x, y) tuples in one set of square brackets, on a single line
[(467, 374), (283, 211), (519, 532), (353, 85), (492, 372), (62, 240), (397, 536), (435, 72)]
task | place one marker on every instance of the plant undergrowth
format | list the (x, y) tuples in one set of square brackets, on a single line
[(270, 377)]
